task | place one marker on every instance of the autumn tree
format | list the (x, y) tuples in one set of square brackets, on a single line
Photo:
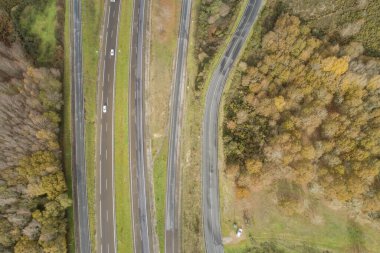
[(311, 110)]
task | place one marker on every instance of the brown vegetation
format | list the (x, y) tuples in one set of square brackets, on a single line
[(311, 113), (213, 24)]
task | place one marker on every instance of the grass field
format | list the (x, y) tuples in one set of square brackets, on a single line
[(66, 139), (320, 229), (42, 23), (122, 177), (92, 13)]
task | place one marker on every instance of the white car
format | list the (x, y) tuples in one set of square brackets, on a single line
[(104, 108), (112, 1), (239, 232), (112, 52)]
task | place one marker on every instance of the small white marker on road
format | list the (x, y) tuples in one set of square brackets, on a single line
[(106, 184), (106, 154)]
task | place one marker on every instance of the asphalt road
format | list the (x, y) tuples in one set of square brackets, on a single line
[(210, 175), (82, 238), (141, 219), (105, 190), (172, 225)]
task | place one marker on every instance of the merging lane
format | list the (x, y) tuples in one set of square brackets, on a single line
[(172, 226), (141, 217), (105, 193), (210, 175), (82, 238)]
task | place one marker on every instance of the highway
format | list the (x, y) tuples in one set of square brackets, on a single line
[(210, 175), (105, 190), (140, 189), (172, 225), (82, 236)]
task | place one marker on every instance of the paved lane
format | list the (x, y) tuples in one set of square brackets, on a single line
[(172, 225), (210, 175), (82, 238), (142, 228), (105, 192)]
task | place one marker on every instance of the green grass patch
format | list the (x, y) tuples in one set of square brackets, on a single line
[(37, 24), (42, 23), (92, 13), (328, 230), (159, 180), (122, 176), (66, 127)]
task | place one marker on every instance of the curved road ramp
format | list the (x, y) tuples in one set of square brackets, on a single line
[(210, 175)]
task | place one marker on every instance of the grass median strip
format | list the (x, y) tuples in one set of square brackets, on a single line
[(160, 192), (122, 177), (92, 13)]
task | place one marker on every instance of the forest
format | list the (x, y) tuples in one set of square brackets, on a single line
[(306, 108), (33, 191)]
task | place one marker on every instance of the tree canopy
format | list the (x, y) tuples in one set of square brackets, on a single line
[(307, 109)]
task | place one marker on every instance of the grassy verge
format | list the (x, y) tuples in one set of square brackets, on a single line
[(192, 227), (122, 177), (159, 180), (92, 12), (67, 144)]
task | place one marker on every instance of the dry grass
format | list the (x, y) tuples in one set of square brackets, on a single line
[(164, 26)]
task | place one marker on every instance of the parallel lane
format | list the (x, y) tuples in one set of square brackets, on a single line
[(210, 174), (82, 235), (172, 231), (142, 227)]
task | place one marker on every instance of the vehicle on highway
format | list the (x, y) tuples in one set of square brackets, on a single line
[(112, 52), (112, 1), (104, 108), (239, 232)]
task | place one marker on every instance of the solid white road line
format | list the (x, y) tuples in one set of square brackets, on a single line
[(100, 146), (101, 230)]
